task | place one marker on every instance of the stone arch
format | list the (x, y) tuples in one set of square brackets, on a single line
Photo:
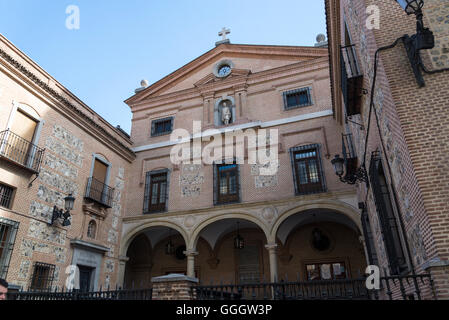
[(134, 232), (243, 216), (338, 206)]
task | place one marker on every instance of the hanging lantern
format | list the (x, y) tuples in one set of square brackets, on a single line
[(239, 243), (169, 246)]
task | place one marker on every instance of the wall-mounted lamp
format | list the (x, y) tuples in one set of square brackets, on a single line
[(423, 39), (60, 214), (352, 176)]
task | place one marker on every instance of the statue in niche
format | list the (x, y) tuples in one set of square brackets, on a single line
[(226, 112)]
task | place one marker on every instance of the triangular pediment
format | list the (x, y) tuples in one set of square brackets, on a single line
[(248, 59)]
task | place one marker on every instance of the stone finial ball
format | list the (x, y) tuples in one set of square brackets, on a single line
[(320, 38), (144, 83)]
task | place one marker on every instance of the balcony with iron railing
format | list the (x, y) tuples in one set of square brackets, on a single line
[(99, 192), (351, 80), (20, 152)]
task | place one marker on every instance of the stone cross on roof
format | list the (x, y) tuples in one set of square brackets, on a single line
[(223, 34)]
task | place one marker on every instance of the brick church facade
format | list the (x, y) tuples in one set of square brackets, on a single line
[(140, 214)]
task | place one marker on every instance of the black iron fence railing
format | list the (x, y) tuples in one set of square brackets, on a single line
[(407, 287), (20, 151), (99, 192), (299, 290), (120, 294)]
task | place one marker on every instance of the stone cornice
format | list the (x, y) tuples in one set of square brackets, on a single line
[(244, 205), (41, 86)]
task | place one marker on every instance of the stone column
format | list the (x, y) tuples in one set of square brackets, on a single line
[(240, 94), (191, 262), (272, 252), (208, 109), (121, 270), (174, 287)]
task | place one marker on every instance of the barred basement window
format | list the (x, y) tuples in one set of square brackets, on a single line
[(307, 169), (226, 183), (6, 195), (161, 127), (156, 191), (8, 231), (297, 98), (387, 219), (43, 276)]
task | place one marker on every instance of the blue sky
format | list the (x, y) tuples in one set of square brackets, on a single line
[(122, 42)]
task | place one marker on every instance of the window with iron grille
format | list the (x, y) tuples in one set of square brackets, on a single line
[(369, 239), (387, 219), (226, 183), (6, 195), (43, 276), (156, 191), (8, 230), (161, 126), (307, 169), (297, 98)]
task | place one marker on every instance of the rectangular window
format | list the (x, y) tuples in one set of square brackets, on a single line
[(387, 219), (42, 276), (156, 191), (326, 271), (6, 196), (161, 127), (308, 175), (297, 98), (226, 183), (8, 230), (369, 239), (97, 188)]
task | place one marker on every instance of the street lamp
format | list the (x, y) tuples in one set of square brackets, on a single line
[(60, 214), (423, 39), (353, 174), (411, 6)]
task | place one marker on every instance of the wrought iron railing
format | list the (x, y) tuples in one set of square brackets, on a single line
[(351, 80), (299, 290), (405, 287), (119, 294), (99, 192), (20, 151)]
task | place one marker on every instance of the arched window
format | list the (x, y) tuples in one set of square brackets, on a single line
[(92, 229)]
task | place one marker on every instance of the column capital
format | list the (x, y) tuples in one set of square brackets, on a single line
[(191, 253), (123, 259), (271, 246)]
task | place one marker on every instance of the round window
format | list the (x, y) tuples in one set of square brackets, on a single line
[(224, 70)]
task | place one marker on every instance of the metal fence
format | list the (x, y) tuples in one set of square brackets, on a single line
[(99, 192), (407, 287), (20, 151), (118, 294)]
